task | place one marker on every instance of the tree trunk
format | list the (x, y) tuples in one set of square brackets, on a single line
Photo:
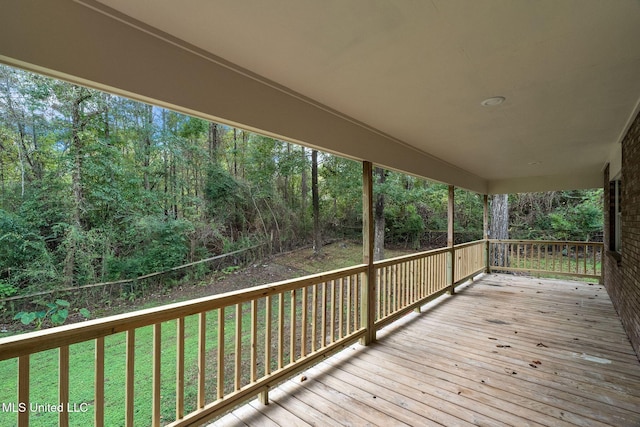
[(304, 192), (146, 156), (378, 246), (317, 238), (213, 142), (78, 149), (499, 228)]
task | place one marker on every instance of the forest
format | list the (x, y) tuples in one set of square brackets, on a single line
[(95, 187)]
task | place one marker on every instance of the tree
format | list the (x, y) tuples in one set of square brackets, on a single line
[(317, 234), (499, 228), (379, 223)]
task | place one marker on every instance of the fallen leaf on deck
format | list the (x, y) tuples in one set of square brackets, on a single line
[(532, 365), (493, 338), (303, 378), (537, 362), (503, 346), (540, 345)]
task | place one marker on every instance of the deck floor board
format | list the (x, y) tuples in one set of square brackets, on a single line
[(505, 350)]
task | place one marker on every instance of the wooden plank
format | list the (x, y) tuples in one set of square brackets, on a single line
[(253, 370), (340, 307), (293, 331), (323, 310), (314, 318), (442, 408), (237, 365), (98, 405), (156, 379), (281, 330), (246, 415), (63, 385), (539, 394), (485, 395), (378, 411), (250, 416), (180, 372), (23, 389), (267, 335), (303, 409), (220, 359), (368, 299), (202, 358), (304, 321), (276, 413), (349, 304), (332, 311), (333, 414), (130, 377)]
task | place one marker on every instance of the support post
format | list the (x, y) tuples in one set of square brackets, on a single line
[(485, 232), (368, 291), (451, 264), (263, 396)]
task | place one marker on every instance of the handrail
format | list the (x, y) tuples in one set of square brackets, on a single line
[(472, 243), (544, 241), (33, 342), (547, 257), (404, 258)]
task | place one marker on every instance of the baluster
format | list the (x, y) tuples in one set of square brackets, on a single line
[(156, 379), (221, 342), (202, 357), (180, 368), (130, 377), (98, 405)]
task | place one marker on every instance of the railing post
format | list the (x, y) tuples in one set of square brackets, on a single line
[(485, 233), (368, 291), (451, 259)]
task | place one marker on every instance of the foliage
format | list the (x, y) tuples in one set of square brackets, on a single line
[(564, 215), (151, 244), (7, 289), (56, 312), (24, 259)]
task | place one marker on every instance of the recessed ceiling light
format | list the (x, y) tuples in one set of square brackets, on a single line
[(493, 101)]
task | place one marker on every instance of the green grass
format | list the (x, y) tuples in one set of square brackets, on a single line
[(337, 255)]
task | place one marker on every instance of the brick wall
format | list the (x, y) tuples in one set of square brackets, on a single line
[(622, 274)]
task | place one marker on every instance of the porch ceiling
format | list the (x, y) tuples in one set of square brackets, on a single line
[(397, 83)]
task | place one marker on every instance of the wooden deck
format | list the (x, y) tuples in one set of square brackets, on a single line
[(504, 351)]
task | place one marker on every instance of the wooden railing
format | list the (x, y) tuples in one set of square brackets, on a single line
[(578, 259), (301, 321), (470, 259), (407, 282), (184, 363)]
